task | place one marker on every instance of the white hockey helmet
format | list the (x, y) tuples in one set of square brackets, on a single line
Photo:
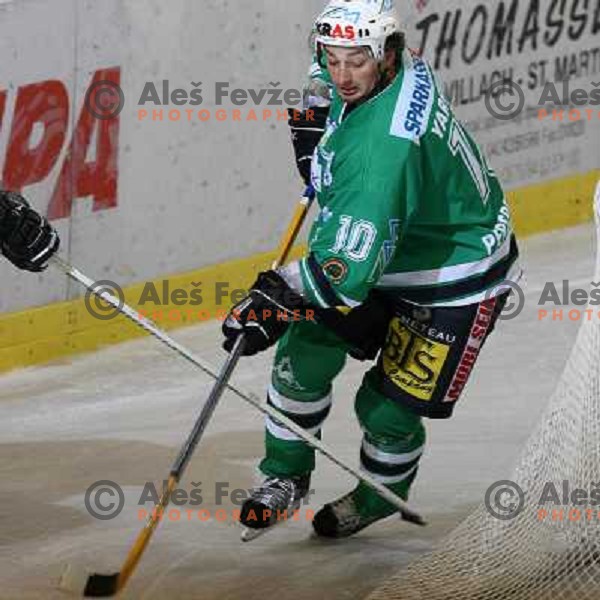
[(355, 23)]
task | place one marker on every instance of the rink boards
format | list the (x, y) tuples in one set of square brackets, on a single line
[(169, 190)]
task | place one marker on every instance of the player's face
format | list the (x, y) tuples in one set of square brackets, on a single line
[(354, 72)]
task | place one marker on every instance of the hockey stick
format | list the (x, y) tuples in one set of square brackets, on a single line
[(98, 585)]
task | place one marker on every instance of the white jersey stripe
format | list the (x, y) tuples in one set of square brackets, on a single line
[(446, 274), (514, 274)]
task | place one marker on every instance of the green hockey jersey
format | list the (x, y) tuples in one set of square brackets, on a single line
[(407, 202)]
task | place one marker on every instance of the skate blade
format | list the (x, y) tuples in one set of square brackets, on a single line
[(249, 534)]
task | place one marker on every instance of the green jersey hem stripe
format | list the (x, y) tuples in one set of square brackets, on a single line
[(465, 287), (447, 274)]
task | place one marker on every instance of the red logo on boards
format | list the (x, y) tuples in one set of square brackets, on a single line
[(39, 147)]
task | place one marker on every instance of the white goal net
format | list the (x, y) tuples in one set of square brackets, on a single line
[(551, 548)]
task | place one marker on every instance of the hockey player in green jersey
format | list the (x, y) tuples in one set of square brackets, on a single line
[(403, 266)]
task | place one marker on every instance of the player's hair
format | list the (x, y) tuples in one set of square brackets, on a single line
[(396, 43)]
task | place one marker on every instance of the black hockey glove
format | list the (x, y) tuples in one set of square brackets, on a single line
[(364, 328), (307, 130), (264, 315), (26, 238)]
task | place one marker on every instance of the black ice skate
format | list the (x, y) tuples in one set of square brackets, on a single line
[(271, 503), (341, 519)]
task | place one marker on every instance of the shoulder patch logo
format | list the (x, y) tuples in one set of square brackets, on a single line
[(336, 270)]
